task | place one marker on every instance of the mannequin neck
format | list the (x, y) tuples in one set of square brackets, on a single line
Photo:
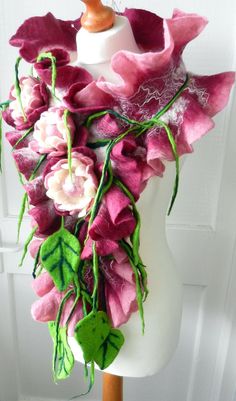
[(95, 50)]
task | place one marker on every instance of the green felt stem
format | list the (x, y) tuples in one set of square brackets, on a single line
[(21, 214), (109, 182), (136, 234), (140, 267), (95, 276), (78, 225), (48, 55), (98, 144), (36, 263), (18, 88), (28, 241), (5, 104), (41, 160), (57, 323), (78, 295), (69, 142), (176, 156), (139, 294), (23, 137)]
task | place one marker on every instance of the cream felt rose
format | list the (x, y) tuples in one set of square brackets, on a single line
[(50, 132), (34, 99), (73, 194)]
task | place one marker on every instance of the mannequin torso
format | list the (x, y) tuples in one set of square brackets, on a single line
[(141, 355)]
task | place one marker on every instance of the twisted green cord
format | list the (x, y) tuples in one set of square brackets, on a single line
[(28, 241), (48, 55), (69, 142), (23, 137), (139, 294), (18, 88)]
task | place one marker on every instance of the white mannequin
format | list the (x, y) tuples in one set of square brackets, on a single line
[(141, 355)]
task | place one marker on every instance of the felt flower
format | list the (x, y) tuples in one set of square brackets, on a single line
[(42, 34), (117, 288), (73, 194), (45, 217), (129, 161), (34, 99), (114, 220), (87, 98), (46, 308), (66, 76), (50, 131), (120, 291)]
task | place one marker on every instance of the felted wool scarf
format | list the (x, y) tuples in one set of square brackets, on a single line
[(85, 150)]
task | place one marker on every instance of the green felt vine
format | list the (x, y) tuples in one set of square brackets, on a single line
[(23, 137), (28, 241), (18, 88), (48, 55), (69, 143)]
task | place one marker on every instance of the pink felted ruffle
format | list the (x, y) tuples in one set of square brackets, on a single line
[(46, 308)]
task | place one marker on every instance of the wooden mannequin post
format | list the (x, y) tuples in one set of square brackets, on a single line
[(112, 388), (98, 18)]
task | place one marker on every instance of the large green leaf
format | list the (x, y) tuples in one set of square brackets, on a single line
[(109, 349), (60, 256), (91, 332), (63, 359)]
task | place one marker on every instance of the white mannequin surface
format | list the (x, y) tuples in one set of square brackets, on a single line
[(141, 355)]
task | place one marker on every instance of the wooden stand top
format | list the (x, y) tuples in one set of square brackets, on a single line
[(97, 17)]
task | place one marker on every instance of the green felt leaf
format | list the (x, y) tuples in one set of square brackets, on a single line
[(109, 349), (91, 332), (63, 358), (60, 256)]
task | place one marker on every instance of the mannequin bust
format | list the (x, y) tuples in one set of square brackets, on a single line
[(141, 355)]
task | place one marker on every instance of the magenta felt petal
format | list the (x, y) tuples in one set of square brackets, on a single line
[(26, 161), (184, 27), (39, 34), (212, 91), (134, 69), (87, 98), (120, 292), (116, 202), (46, 308), (193, 125), (104, 247), (131, 166), (36, 190), (104, 228), (148, 36), (45, 217), (14, 136), (67, 75)]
